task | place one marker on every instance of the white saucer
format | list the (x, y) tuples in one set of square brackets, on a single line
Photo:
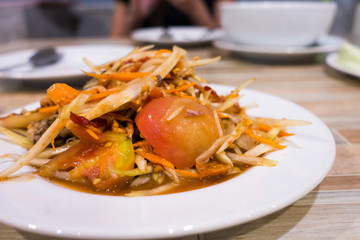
[(68, 68), (184, 36), (326, 44), (332, 61)]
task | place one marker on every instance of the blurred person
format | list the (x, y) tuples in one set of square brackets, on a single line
[(344, 19), (12, 21), (131, 14)]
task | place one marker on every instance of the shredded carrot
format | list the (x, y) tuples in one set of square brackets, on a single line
[(49, 109), (161, 51), (180, 89), (102, 95), (61, 125), (62, 94), (157, 159), (92, 134), (179, 65), (188, 97), (247, 122), (263, 140), (265, 127), (188, 174), (285, 134), (94, 129), (223, 115), (141, 143), (93, 91), (121, 76)]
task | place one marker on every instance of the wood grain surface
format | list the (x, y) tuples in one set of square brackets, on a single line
[(332, 209)]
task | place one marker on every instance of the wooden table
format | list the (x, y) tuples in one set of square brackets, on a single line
[(332, 209)]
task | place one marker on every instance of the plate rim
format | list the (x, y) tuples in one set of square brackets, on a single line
[(215, 226), (331, 61), (279, 51), (63, 77), (208, 39)]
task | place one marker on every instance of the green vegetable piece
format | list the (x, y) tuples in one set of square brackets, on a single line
[(349, 56), (123, 149), (133, 172)]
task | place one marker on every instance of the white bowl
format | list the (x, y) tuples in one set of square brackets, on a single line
[(276, 23)]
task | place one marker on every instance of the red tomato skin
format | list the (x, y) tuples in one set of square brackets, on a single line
[(182, 139)]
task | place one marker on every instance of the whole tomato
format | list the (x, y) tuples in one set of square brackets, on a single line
[(179, 129)]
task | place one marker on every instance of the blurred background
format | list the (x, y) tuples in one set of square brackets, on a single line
[(30, 19), (54, 18)]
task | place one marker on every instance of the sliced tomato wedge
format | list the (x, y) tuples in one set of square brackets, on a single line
[(91, 161)]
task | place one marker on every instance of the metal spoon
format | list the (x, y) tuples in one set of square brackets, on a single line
[(42, 57), (166, 35)]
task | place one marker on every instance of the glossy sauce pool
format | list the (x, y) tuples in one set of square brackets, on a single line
[(186, 184)]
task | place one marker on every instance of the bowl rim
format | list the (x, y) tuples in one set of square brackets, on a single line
[(279, 5)]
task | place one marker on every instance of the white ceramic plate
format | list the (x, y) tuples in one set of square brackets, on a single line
[(45, 208), (332, 61), (69, 67), (185, 36), (325, 44)]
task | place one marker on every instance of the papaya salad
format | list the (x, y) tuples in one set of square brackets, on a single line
[(145, 124)]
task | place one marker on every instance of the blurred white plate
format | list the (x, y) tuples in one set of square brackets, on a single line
[(69, 67), (45, 208), (332, 61), (326, 44), (184, 36)]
